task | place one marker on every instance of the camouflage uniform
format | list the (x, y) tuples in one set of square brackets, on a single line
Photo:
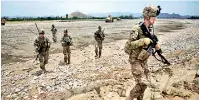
[(138, 56), (99, 37), (42, 46), (54, 31), (66, 43)]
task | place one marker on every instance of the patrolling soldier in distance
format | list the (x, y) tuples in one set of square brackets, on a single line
[(42, 46), (99, 37), (137, 49), (66, 43), (54, 32)]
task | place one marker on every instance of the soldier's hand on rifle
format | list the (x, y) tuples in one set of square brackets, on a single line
[(157, 48)]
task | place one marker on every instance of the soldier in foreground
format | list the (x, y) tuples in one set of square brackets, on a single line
[(99, 38), (137, 48), (66, 43), (42, 46), (54, 32)]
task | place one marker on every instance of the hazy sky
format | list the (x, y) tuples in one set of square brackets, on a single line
[(53, 7)]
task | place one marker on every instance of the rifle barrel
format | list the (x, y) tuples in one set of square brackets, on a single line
[(36, 27)]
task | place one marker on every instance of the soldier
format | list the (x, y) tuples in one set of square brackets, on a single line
[(66, 43), (136, 47), (99, 37), (54, 31), (42, 46)]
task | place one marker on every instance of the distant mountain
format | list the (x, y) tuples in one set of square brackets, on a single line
[(117, 14), (114, 14), (166, 15), (77, 14)]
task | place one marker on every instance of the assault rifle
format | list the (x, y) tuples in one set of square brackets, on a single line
[(39, 50), (159, 52), (152, 45)]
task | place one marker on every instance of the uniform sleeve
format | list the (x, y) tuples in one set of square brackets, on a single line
[(95, 35), (62, 41), (36, 45), (103, 34), (71, 40), (48, 41), (135, 42), (70, 37), (134, 33)]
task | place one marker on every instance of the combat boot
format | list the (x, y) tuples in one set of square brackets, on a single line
[(43, 68)]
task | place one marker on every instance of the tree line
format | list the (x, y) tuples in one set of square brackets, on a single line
[(59, 18)]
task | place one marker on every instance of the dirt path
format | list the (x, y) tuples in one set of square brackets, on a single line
[(108, 77)]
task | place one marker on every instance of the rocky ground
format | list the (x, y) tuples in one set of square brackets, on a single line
[(105, 78)]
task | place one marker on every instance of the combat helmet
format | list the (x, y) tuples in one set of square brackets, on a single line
[(42, 31), (99, 27), (151, 11), (65, 31)]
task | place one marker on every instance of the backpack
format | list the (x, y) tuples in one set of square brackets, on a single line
[(127, 47), (133, 37)]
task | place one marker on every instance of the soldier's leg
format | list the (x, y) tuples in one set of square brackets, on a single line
[(138, 73), (65, 54), (55, 37), (143, 88), (46, 55), (144, 79), (100, 48), (69, 54), (41, 60), (96, 49)]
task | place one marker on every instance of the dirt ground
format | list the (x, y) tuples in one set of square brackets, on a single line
[(105, 78)]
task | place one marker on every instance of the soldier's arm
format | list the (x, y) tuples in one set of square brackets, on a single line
[(49, 43), (134, 33), (62, 41), (103, 34), (36, 45), (95, 35), (135, 42), (143, 42), (71, 40)]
